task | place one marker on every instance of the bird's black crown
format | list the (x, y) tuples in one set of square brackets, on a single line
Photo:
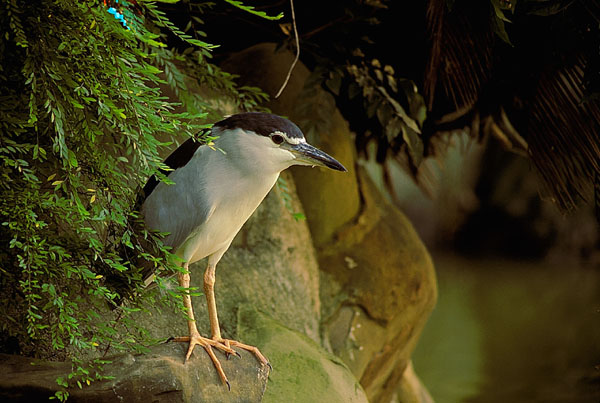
[(261, 123)]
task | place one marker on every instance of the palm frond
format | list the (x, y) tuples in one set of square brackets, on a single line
[(539, 98), (563, 135), (460, 60)]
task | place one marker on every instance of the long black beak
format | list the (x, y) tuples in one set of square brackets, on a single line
[(309, 155)]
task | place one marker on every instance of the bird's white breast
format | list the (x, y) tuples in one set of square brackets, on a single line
[(213, 196), (232, 208)]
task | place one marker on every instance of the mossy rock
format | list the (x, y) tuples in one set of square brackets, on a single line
[(378, 288), (159, 376), (302, 370)]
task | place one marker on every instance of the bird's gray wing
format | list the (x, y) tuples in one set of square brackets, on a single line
[(182, 207), (177, 159)]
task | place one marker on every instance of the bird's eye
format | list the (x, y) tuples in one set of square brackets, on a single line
[(277, 139)]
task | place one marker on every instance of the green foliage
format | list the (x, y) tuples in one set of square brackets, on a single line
[(368, 83), (381, 91), (498, 18), (252, 10), (84, 121)]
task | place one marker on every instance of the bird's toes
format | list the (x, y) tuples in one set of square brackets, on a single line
[(190, 351), (228, 354)]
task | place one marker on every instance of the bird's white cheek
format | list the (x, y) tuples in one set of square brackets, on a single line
[(283, 158)]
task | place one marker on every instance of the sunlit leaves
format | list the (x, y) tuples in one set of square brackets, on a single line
[(83, 124), (160, 19), (252, 10)]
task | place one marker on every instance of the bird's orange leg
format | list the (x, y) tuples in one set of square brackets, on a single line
[(194, 338), (209, 291)]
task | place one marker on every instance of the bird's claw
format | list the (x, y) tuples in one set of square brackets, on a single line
[(207, 344), (225, 346), (228, 355)]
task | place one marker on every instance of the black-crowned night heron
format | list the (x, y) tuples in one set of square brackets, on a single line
[(216, 190)]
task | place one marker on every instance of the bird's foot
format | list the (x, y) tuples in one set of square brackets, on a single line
[(196, 340), (252, 349), (224, 345)]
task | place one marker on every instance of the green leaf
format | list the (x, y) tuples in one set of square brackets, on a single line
[(410, 122), (414, 143), (89, 117), (549, 8), (72, 159), (251, 10), (498, 20), (498, 11), (299, 216)]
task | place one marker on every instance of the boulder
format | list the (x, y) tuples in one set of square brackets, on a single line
[(158, 376), (303, 371), (378, 283), (378, 288)]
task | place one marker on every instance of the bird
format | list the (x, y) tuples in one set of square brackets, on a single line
[(215, 189)]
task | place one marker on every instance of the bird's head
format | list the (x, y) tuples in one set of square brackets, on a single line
[(270, 141)]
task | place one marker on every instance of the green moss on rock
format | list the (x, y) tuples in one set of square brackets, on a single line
[(301, 368)]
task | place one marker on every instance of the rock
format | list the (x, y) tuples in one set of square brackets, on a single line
[(378, 288), (330, 200), (159, 376), (378, 283), (302, 370), (411, 389)]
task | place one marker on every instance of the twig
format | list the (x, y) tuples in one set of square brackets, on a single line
[(289, 74), (113, 326)]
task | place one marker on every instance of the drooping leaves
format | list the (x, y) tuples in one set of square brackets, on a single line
[(84, 120)]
